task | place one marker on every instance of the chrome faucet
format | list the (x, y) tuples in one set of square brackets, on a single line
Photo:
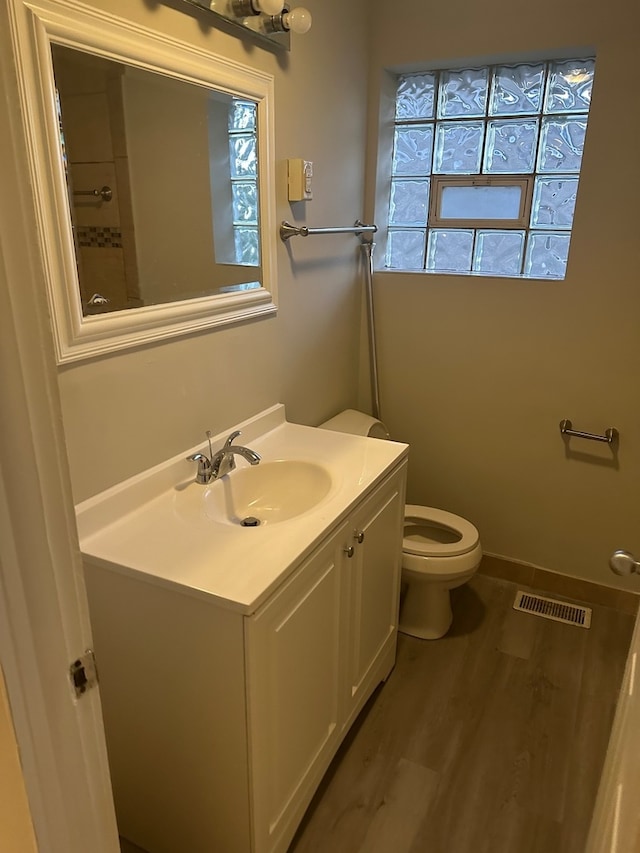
[(223, 461)]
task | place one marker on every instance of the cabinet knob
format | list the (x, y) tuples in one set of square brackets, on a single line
[(349, 551), (358, 535)]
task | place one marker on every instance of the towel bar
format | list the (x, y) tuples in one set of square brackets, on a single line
[(104, 193), (610, 436), (288, 230)]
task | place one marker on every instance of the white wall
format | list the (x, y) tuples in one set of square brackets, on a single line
[(125, 412), (477, 373)]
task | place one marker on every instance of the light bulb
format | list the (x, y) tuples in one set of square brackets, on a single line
[(298, 20)]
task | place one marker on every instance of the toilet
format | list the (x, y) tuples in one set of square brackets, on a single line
[(440, 550)]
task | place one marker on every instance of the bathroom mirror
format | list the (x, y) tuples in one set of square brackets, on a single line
[(153, 163)]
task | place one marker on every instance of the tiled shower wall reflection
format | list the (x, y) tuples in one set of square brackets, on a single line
[(96, 156)]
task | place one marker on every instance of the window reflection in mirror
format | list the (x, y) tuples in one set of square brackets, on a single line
[(162, 181)]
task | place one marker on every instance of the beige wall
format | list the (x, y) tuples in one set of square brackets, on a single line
[(171, 195), (16, 831), (476, 373), (125, 412)]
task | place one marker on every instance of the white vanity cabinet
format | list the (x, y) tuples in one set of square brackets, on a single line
[(219, 724), (373, 589), (295, 686)]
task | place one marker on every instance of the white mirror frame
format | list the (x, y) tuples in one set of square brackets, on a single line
[(35, 24)]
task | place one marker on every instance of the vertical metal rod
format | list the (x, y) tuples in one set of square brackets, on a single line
[(368, 247)]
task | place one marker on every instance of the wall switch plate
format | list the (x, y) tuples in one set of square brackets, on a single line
[(300, 179)]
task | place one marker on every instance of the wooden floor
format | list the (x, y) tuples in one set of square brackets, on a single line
[(489, 740)]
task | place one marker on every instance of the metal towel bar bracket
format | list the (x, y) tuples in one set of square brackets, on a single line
[(288, 230), (610, 436)]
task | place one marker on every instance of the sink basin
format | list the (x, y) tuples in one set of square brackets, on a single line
[(160, 525), (266, 493)]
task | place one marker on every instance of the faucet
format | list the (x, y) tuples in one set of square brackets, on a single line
[(223, 461)]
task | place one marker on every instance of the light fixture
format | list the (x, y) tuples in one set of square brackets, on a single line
[(269, 21), (297, 20), (275, 16), (244, 8)]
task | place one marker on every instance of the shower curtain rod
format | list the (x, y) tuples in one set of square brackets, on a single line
[(288, 230)]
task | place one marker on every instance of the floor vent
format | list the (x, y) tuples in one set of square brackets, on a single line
[(550, 608)]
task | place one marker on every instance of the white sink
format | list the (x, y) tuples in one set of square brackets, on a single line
[(262, 494), (163, 527)]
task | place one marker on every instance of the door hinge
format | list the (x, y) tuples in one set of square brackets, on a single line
[(83, 672)]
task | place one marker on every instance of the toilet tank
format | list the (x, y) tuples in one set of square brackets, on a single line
[(357, 423)]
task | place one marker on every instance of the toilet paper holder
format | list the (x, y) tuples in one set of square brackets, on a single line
[(610, 436)]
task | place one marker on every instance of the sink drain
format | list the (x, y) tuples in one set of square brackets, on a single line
[(250, 521)]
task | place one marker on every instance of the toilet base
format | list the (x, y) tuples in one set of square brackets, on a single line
[(426, 611)]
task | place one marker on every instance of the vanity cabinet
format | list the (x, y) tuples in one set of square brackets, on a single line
[(373, 589), (219, 724), (295, 686)]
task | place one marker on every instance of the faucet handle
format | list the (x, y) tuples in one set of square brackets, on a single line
[(203, 475), (232, 437)]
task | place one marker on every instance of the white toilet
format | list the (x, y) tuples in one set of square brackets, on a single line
[(440, 550)]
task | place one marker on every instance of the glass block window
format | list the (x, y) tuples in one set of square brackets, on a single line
[(485, 168), (244, 180)]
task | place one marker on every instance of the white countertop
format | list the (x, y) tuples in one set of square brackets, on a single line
[(150, 526)]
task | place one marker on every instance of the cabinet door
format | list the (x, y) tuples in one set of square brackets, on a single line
[(374, 586), (292, 647)]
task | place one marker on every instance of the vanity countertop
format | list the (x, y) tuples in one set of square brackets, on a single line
[(151, 527)]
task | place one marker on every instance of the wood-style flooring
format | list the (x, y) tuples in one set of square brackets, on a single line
[(489, 740)]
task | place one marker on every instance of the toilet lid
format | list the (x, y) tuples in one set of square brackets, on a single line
[(465, 534)]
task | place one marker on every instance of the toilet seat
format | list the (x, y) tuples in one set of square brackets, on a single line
[(468, 536)]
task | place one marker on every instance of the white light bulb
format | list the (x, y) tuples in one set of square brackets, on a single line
[(269, 7), (298, 20)]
